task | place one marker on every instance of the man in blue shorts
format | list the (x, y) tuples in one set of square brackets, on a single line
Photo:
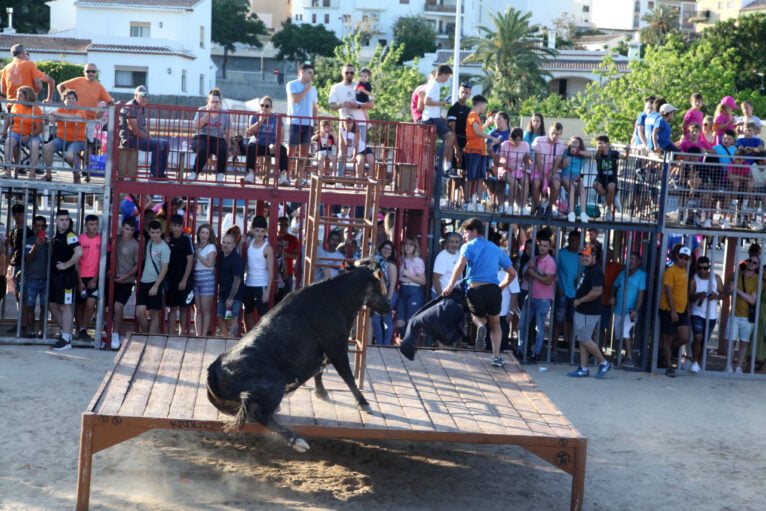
[(433, 104), (481, 260), (302, 110)]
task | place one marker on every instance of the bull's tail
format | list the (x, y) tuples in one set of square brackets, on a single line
[(238, 409)]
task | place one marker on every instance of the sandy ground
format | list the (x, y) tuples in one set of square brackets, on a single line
[(692, 442)]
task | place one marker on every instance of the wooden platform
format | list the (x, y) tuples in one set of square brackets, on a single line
[(443, 396)]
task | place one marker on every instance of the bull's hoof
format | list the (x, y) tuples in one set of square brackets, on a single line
[(322, 394), (366, 408), (299, 444)]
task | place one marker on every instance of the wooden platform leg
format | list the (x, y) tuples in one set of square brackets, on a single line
[(578, 477), (85, 463)]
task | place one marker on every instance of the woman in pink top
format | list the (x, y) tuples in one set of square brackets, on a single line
[(707, 130), (724, 118), (514, 169), (412, 278)]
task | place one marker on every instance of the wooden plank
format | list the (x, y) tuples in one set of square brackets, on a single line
[(405, 390), (387, 403), (203, 410), (375, 419), (456, 391), (122, 376), (166, 382), (324, 410), (431, 397), (143, 381), (301, 407), (189, 380)]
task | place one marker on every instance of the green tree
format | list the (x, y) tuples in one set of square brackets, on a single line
[(304, 43), (29, 16), (552, 105), (392, 83), (512, 57), (746, 35), (662, 21), (416, 34), (233, 23)]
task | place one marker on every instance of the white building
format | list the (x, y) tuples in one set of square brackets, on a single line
[(163, 44)]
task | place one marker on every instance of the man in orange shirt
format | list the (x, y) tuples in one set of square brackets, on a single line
[(23, 72), (89, 92), (70, 135), (475, 159), (26, 125)]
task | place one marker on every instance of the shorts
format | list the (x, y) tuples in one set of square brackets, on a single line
[(564, 309), (504, 173), (26, 144), (442, 128), (176, 298), (300, 134), (122, 291), (89, 293), (253, 300), (605, 181), (62, 288), (63, 145), (626, 322), (666, 324), (740, 328), (484, 300), (585, 325), (33, 289), (150, 302), (220, 309), (698, 325), (475, 166), (204, 283)]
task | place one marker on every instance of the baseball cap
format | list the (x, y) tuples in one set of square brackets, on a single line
[(685, 251), (729, 101), (587, 250), (667, 108), (141, 89)]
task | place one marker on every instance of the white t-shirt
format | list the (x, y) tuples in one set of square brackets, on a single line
[(354, 144), (340, 93), (512, 288), (443, 265), (433, 91), (207, 249)]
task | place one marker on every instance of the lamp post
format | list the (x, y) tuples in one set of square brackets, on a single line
[(456, 51)]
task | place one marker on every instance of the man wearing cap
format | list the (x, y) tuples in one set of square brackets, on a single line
[(673, 304), (342, 100), (587, 315), (135, 135), (20, 72), (661, 133), (89, 93), (482, 258)]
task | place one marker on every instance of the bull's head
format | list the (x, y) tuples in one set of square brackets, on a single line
[(376, 295)]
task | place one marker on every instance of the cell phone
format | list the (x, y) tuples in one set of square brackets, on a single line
[(41, 235)]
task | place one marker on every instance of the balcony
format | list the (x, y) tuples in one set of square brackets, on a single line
[(318, 4), (435, 8)]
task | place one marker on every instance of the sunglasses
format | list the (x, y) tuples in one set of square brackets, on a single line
[(91, 71), (684, 257), (753, 262), (265, 106), (349, 73), (703, 268), (143, 95)]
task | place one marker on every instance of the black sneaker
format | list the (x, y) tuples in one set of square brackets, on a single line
[(670, 372), (481, 338), (451, 174), (61, 345), (83, 336)]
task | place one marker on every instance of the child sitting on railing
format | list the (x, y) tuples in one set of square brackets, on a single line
[(606, 168), (571, 180), (325, 141)]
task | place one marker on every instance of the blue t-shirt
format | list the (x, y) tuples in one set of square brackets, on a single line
[(664, 133), (484, 258), (636, 283), (725, 154), (127, 210), (529, 138), (649, 127), (566, 270), (267, 132), (303, 109), (640, 120), (503, 135), (749, 142)]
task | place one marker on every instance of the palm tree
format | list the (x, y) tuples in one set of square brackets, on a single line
[(512, 55), (662, 20)]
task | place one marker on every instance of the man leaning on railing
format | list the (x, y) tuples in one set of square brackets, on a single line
[(135, 135)]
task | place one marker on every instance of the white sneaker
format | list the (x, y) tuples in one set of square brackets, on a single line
[(191, 176), (466, 206), (115, 341), (707, 224), (608, 217), (250, 178), (584, 218), (617, 204), (571, 217), (283, 180), (725, 224), (729, 369), (738, 371), (686, 365), (695, 368), (220, 178)]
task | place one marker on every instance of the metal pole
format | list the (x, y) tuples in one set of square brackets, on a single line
[(624, 292), (456, 50)]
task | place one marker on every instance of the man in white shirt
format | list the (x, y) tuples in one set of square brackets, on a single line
[(343, 100), (431, 95), (445, 262)]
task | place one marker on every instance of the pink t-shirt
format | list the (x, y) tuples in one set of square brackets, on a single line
[(723, 122), (701, 143), (416, 114), (413, 264), (514, 156), (91, 250), (691, 116), (548, 151), (539, 290)]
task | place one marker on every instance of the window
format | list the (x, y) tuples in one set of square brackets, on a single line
[(130, 77), (140, 29), (299, 17), (383, 42), (313, 18), (202, 85), (346, 18), (201, 37), (326, 19), (183, 80), (586, 8), (404, 1), (637, 6), (325, 3), (650, 5)]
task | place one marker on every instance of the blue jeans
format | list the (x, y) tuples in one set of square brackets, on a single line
[(411, 299), (159, 150), (378, 321), (539, 309)]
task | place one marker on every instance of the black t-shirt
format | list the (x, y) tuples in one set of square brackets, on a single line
[(606, 165), (180, 248), (459, 114), (15, 239), (592, 276), (229, 267), (64, 245)]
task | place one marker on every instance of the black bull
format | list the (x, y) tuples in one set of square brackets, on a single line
[(292, 343)]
